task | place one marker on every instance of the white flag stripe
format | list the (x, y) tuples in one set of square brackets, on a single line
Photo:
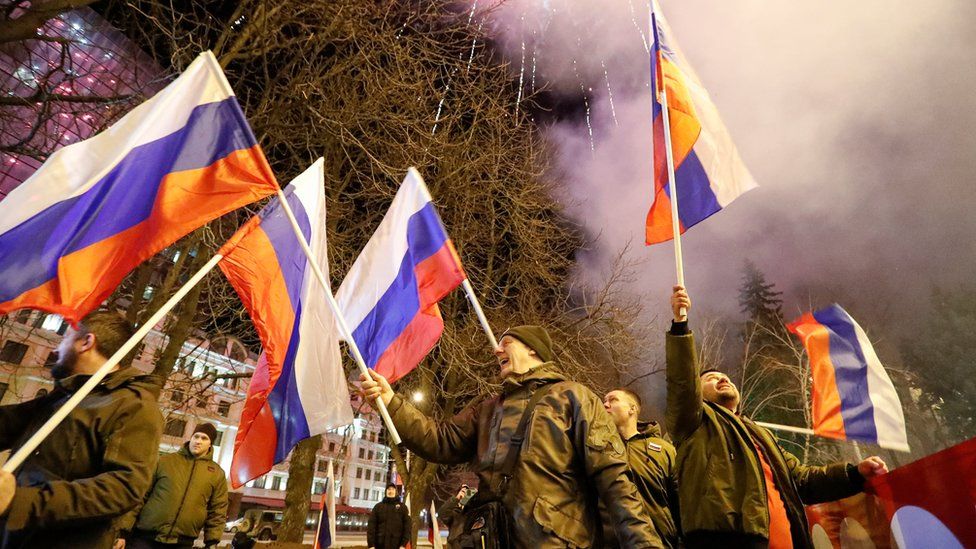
[(889, 418), (378, 264), (72, 170), (319, 376)]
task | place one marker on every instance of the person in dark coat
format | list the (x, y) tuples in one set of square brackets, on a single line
[(449, 514), (389, 523), (98, 463), (571, 456), (650, 458)]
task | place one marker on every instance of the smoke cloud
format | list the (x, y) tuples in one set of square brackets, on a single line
[(856, 119)]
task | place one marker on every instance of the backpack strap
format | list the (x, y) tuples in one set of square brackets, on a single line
[(515, 444)]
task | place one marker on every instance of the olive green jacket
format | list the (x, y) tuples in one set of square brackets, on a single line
[(650, 459), (570, 456), (720, 481), (188, 493), (94, 467)]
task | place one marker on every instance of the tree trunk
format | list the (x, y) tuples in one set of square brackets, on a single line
[(185, 314), (301, 470)]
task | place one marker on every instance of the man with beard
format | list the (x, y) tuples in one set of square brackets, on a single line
[(98, 463), (737, 486)]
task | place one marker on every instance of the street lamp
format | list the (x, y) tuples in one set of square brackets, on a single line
[(418, 396)]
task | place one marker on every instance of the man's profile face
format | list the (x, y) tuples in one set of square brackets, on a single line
[(718, 388), (68, 351), (620, 406), (514, 357)]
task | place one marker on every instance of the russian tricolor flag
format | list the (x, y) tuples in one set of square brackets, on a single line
[(708, 171), (97, 209), (389, 298), (853, 397), (299, 388)]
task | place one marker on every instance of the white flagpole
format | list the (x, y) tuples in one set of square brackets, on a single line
[(476, 305), (35, 440), (787, 428), (340, 320), (669, 154), (466, 284), (330, 501)]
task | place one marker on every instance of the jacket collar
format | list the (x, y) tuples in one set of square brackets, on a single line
[(112, 381), (547, 372), (647, 429)]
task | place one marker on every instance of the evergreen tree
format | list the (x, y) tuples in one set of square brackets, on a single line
[(941, 356), (757, 298)]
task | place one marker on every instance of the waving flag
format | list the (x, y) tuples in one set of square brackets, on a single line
[(389, 298), (299, 388), (853, 397), (708, 171), (98, 208)]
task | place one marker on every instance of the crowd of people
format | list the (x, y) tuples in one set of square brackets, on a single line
[(558, 466), (588, 473)]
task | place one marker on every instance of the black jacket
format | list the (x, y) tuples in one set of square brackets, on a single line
[(389, 525)]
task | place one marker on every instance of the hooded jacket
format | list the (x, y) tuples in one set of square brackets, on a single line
[(188, 493), (94, 467), (720, 479), (571, 455)]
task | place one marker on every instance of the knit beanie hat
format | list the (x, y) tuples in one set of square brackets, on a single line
[(207, 429), (536, 338)]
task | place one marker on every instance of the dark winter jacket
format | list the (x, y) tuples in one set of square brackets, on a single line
[(650, 459), (94, 467), (188, 494), (571, 455), (720, 479), (389, 525)]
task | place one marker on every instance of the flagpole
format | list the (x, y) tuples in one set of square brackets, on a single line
[(476, 305), (35, 440), (466, 284), (787, 428), (343, 327), (669, 154)]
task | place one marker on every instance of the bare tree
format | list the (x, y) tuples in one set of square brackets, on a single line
[(375, 88)]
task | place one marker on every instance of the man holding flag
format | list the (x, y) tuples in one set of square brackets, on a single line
[(746, 490), (571, 452), (98, 464)]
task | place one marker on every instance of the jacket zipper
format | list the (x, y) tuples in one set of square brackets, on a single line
[(186, 490)]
